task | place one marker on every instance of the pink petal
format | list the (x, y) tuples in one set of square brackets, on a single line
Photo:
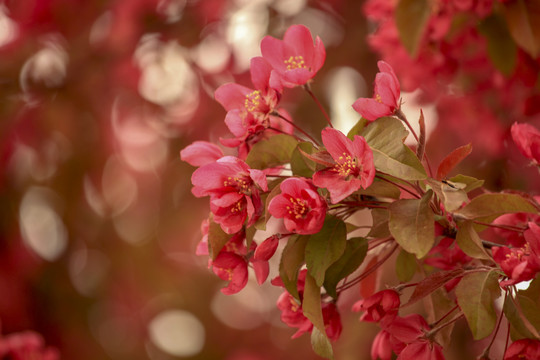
[(336, 143), (273, 51), (371, 109), (267, 248), (262, 269), (385, 87), (201, 153), (259, 178), (293, 186), (299, 38), (232, 96), (236, 124), (278, 206), (260, 71)]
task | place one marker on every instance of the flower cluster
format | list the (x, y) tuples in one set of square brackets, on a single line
[(316, 189)]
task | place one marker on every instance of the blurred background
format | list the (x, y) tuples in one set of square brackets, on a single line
[(98, 226)]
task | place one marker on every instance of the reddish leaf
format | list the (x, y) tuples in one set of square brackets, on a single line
[(321, 157), (217, 238), (422, 140), (452, 159), (432, 283)]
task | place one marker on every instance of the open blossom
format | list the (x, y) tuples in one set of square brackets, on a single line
[(527, 139), (385, 98), (233, 189), (523, 349), (422, 349), (302, 208), (295, 58), (259, 101), (354, 168)]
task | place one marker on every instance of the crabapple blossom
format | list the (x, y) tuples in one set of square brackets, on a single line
[(295, 58), (527, 139), (233, 189), (353, 169), (523, 349), (26, 346), (386, 96), (302, 208), (381, 305)]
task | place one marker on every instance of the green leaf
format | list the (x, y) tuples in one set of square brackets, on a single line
[(380, 188), (321, 344), (385, 138), (357, 128), (411, 21), (411, 223), (522, 18), (271, 152), (300, 165), (379, 227), (470, 182), (352, 258), (325, 247), (405, 266), (217, 238), (490, 206), (292, 259), (475, 295), (468, 240), (526, 325), (502, 49), (311, 307), (451, 196)]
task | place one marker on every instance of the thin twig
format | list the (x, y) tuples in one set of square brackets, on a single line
[(306, 87)]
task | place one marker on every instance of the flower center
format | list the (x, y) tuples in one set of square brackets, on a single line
[(236, 208), (253, 100), (378, 98), (295, 62), (346, 165), (238, 183), (298, 207)]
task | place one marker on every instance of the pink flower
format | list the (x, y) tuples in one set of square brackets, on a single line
[(295, 58), (201, 153), (517, 263), (527, 139), (381, 347), (385, 98), (302, 208), (233, 268), (233, 189), (354, 168), (267, 248), (520, 220), (379, 306), (26, 346), (524, 349), (259, 101)]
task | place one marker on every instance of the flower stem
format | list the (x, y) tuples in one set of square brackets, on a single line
[(485, 354), (504, 227), (397, 185), (307, 88), (433, 331), (275, 113)]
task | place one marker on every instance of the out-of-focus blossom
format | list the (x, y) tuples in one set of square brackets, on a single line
[(381, 305), (354, 168), (302, 208), (385, 98), (295, 58), (26, 346), (527, 139), (523, 349), (422, 350)]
